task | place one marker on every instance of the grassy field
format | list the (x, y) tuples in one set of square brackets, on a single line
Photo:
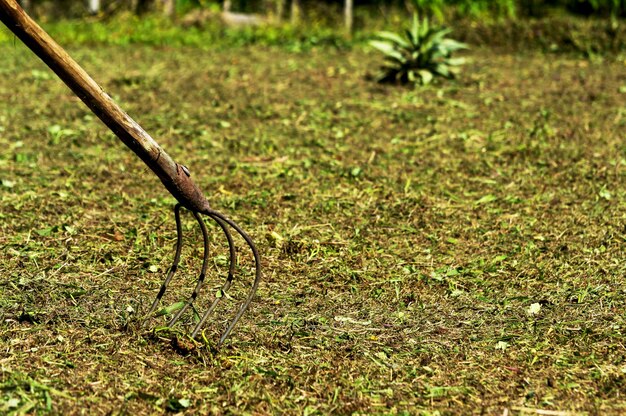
[(456, 249)]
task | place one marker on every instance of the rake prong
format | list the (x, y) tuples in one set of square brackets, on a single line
[(174, 267), (224, 223), (229, 279), (257, 261), (223, 289), (205, 263), (231, 249)]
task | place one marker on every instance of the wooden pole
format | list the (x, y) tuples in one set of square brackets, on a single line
[(280, 10), (175, 177), (296, 11), (349, 15), (169, 7), (93, 6)]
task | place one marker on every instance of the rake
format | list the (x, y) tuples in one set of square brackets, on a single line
[(175, 177)]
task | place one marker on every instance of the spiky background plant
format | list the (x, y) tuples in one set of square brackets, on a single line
[(421, 54)]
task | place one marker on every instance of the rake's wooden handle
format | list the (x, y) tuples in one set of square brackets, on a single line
[(175, 177)]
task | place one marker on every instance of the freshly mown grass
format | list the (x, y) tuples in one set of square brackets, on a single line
[(454, 249)]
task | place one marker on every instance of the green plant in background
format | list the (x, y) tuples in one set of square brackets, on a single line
[(421, 54)]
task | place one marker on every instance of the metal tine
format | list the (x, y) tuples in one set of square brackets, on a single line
[(229, 279), (223, 222), (216, 216), (223, 289), (174, 267), (205, 263), (231, 249)]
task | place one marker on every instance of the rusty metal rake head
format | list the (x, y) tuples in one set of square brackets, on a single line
[(224, 223), (175, 177)]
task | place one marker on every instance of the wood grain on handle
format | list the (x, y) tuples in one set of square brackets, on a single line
[(174, 176)]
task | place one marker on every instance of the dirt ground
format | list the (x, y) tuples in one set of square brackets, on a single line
[(454, 249)]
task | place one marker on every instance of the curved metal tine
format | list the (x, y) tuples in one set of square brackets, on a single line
[(174, 266), (257, 261), (205, 263), (231, 248), (229, 279)]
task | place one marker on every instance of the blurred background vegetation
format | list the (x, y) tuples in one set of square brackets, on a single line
[(586, 26), (321, 8)]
